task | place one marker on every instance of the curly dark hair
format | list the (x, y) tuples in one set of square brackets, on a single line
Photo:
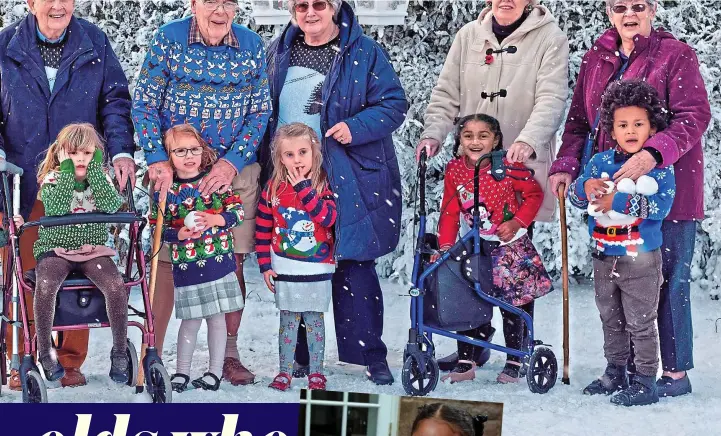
[(460, 419), (629, 93), (492, 123)]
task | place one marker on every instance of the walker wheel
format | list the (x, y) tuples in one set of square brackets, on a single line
[(132, 364), (417, 381), (158, 384), (542, 370), (34, 390)]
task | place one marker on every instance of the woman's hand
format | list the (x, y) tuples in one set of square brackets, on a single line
[(340, 132), (506, 231), (205, 220), (266, 276), (19, 221), (430, 145), (185, 233), (636, 166), (519, 152), (604, 203), (558, 179), (295, 176), (595, 187)]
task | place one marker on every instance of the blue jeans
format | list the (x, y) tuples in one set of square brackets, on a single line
[(674, 307)]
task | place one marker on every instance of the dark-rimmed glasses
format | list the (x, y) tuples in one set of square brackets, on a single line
[(317, 6), (182, 152), (621, 9)]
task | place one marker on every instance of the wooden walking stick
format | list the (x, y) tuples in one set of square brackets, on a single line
[(155, 250), (564, 264)]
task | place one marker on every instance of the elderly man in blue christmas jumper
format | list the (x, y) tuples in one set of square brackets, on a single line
[(206, 71)]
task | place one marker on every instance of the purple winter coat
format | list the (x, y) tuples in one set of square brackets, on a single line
[(672, 68)]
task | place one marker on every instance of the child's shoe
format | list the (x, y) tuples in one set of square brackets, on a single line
[(52, 368), (464, 370), (119, 366), (179, 386), (316, 381), (643, 391), (205, 384), (511, 373), (668, 387), (614, 379), (281, 382), (300, 371)]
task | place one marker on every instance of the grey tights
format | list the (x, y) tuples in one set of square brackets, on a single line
[(50, 273)]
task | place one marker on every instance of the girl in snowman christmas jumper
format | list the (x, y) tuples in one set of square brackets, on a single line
[(72, 180), (294, 241), (518, 273), (201, 252)]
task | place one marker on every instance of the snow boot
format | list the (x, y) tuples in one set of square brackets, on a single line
[(511, 373), (465, 370), (300, 371), (613, 379), (119, 366), (668, 387), (643, 391), (52, 368)]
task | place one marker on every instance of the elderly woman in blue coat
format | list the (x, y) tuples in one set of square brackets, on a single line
[(326, 73), (56, 69)]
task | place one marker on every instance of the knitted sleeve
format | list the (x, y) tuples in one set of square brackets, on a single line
[(170, 234), (263, 231), (577, 192), (107, 198), (232, 209), (322, 209), (450, 221), (56, 191), (531, 197)]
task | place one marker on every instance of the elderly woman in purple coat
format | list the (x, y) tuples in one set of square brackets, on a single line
[(633, 49)]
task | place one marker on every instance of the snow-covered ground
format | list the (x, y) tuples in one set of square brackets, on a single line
[(563, 411)]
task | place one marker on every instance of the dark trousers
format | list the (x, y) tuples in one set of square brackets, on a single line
[(358, 315), (675, 330)]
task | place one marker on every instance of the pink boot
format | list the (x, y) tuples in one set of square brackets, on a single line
[(460, 373), (510, 373)]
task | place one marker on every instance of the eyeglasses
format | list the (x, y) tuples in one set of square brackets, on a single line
[(182, 152), (228, 6), (317, 6), (621, 9)]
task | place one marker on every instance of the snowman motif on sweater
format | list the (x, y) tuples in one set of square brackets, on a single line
[(486, 226), (298, 239), (614, 228)]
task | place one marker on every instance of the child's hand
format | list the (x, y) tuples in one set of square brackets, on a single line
[(595, 187), (266, 276), (207, 220), (63, 155), (604, 203), (295, 176), (185, 233), (506, 231), (19, 221)]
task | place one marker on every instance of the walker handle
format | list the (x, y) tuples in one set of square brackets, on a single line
[(6, 166)]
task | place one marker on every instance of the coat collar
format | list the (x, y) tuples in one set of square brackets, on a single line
[(23, 48)]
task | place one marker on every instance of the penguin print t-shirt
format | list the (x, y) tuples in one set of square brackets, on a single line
[(301, 97)]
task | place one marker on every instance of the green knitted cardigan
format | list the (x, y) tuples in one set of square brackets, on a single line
[(61, 194)]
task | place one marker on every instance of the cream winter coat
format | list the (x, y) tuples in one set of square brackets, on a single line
[(535, 78)]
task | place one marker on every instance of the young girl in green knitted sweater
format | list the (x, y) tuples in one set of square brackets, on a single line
[(72, 180)]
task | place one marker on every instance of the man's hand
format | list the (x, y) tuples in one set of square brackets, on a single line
[(506, 231), (219, 179), (595, 187), (558, 179), (266, 276), (161, 174), (604, 203), (124, 168), (340, 132), (519, 152), (638, 165), (430, 145)]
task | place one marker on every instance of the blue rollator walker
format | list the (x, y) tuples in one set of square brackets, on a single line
[(454, 293)]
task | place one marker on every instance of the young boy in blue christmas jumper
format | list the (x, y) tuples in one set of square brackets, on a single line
[(625, 225), (198, 232)]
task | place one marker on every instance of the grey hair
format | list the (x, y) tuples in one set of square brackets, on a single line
[(335, 4), (610, 3)]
